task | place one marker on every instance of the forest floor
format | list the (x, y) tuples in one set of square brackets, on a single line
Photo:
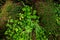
[(44, 9)]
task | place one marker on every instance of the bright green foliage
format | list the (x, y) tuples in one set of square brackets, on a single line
[(21, 27)]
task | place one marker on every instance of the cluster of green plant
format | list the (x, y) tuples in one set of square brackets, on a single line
[(58, 17), (48, 17), (22, 27), (58, 14)]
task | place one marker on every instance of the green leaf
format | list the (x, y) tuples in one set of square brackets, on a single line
[(16, 29), (34, 17), (34, 12), (24, 9), (11, 20)]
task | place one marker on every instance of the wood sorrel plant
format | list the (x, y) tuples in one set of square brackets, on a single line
[(21, 27)]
